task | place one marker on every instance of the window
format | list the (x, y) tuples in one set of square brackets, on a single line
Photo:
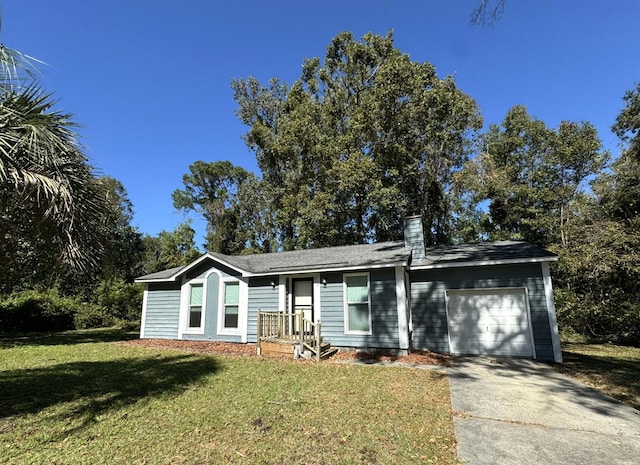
[(195, 306), (357, 305), (231, 304)]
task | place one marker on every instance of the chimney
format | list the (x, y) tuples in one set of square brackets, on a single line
[(414, 235)]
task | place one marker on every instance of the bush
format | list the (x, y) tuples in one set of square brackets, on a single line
[(119, 301), (613, 318), (114, 303), (32, 310), (91, 316)]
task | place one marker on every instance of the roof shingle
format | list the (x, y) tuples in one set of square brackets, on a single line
[(375, 255)]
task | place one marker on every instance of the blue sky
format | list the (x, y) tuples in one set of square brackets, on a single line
[(149, 81)]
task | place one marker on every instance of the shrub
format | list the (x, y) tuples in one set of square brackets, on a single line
[(114, 302), (119, 301), (32, 310), (91, 316), (615, 317)]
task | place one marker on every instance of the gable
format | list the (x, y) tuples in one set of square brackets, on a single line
[(203, 268)]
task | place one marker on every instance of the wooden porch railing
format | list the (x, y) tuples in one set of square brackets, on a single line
[(290, 327)]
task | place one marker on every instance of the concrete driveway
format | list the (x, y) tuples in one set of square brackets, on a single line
[(515, 411)]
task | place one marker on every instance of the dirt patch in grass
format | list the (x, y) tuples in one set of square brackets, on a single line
[(422, 357), (418, 357), (201, 347)]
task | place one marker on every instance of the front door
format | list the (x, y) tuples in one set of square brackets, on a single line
[(303, 297)]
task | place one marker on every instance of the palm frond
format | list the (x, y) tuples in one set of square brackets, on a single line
[(41, 158), (17, 69)]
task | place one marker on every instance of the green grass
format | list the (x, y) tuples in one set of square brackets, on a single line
[(612, 369), (74, 399)]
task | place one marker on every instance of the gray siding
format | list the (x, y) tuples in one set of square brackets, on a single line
[(261, 296), (429, 308), (163, 311), (384, 314)]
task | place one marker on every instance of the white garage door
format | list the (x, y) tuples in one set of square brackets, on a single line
[(489, 321)]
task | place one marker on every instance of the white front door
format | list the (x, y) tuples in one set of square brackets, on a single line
[(303, 297)]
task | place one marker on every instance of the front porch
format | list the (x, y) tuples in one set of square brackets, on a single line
[(283, 334)]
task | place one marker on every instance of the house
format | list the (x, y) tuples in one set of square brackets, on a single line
[(491, 298)]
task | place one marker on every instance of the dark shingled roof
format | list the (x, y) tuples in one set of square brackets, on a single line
[(160, 275), (369, 256), (482, 252), (349, 256)]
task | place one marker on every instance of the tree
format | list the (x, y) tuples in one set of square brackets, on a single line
[(627, 124), (49, 197), (598, 275), (619, 191), (531, 175), (487, 12), (256, 217), (122, 242), (169, 249), (212, 189), (357, 143)]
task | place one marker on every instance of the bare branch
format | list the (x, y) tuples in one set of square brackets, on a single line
[(488, 12)]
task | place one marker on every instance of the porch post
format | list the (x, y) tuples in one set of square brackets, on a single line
[(300, 325), (259, 331), (318, 341)]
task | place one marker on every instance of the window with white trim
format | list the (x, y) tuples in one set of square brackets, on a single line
[(231, 304), (195, 306), (357, 304)]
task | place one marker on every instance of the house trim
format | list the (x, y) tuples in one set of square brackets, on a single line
[(185, 293), (145, 299), (282, 293), (215, 259), (551, 311), (160, 280), (401, 304), (242, 308), (407, 280), (347, 329), (346, 269), (283, 272), (512, 261), (288, 293)]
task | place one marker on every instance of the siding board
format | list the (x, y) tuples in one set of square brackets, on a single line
[(429, 306), (261, 296), (384, 314), (163, 311)]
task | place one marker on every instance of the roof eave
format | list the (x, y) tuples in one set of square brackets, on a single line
[(327, 270), (174, 277), (510, 261), (155, 280)]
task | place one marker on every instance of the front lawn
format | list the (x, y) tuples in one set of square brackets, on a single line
[(613, 369), (74, 398)]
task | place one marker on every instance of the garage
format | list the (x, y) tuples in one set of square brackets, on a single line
[(489, 321)]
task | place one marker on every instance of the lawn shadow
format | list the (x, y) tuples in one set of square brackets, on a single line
[(85, 390), (616, 371), (8, 340), (480, 374), (374, 356)]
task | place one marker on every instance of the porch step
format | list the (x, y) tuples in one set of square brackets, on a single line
[(326, 351), (285, 347)]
